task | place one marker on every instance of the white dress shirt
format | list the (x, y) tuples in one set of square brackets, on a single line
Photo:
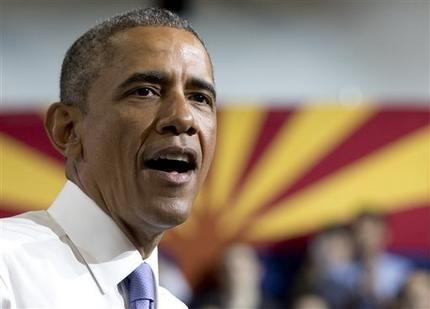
[(71, 256)]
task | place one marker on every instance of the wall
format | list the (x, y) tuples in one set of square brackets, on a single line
[(276, 52)]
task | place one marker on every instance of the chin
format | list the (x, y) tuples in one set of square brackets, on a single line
[(171, 213)]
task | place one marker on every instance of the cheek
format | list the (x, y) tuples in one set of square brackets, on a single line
[(106, 138), (121, 126), (105, 130), (208, 140)]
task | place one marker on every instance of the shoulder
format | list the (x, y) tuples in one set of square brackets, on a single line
[(19, 236), (27, 228), (394, 267), (395, 261), (29, 249)]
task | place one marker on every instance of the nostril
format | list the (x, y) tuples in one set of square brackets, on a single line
[(191, 131), (176, 131), (170, 129)]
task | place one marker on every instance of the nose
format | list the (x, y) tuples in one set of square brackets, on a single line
[(175, 117)]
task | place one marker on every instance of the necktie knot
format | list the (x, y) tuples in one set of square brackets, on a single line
[(141, 288)]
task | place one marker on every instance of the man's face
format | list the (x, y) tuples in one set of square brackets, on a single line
[(149, 135), (370, 235)]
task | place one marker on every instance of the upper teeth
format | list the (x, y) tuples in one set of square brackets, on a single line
[(178, 157)]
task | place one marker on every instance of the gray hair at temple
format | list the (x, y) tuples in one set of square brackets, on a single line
[(90, 52)]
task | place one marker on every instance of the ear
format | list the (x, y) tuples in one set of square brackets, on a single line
[(62, 124)]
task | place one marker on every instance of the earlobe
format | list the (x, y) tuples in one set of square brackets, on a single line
[(62, 126)]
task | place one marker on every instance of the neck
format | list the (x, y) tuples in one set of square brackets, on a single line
[(144, 239)]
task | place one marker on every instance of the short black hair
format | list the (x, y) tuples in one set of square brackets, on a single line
[(87, 55), (373, 216)]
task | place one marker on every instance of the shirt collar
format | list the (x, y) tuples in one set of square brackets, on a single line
[(108, 252)]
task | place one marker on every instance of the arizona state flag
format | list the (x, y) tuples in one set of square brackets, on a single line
[(278, 174)]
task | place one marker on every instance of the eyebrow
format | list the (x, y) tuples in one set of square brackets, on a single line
[(202, 84), (154, 77), (157, 77)]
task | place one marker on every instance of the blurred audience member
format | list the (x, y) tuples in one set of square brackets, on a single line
[(282, 265), (310, 301), (332, 272), (352, 269), (173, 279), (381, 274), (415, 293), (237, 284), (242, 278)]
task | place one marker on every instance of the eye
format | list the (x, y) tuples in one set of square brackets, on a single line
[(143, 92), (200, 98)]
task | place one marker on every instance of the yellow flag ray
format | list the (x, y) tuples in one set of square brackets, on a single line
[(395, 175), (237, 130), (309, 135), (27, 178)]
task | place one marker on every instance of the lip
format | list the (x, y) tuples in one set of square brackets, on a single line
[(172, 178), (155, 153)]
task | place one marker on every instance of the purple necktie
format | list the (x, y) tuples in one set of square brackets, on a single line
[(141, 288)]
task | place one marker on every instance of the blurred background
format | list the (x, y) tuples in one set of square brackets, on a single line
[(318, 196)]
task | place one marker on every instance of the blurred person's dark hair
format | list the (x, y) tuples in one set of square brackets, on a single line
[(91, 52), (368, 215)]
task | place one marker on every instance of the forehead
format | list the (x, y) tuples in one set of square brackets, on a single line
[(160, 48)]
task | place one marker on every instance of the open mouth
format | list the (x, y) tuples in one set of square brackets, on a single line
[(172, 160)]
